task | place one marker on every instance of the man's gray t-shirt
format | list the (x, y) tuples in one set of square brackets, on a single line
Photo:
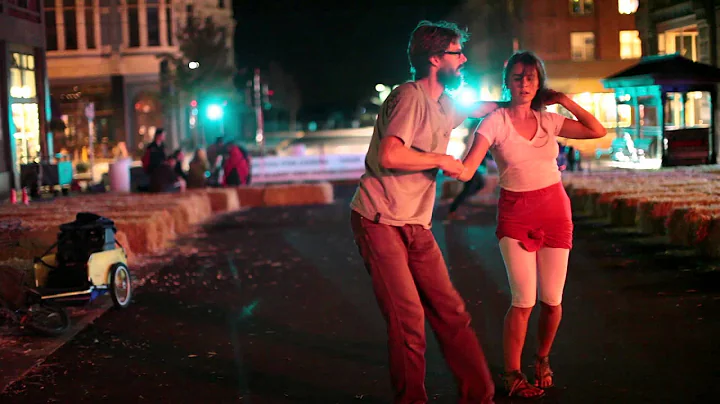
[(397, 197)]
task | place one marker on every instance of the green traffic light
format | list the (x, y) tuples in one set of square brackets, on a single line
[(214, 112)]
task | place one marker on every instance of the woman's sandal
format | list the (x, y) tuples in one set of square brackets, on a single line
[(517, 385), (543, 372)]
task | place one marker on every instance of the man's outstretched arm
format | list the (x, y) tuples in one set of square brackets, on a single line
[(480, 109)]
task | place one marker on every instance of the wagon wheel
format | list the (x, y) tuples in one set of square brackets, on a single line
[(47, 320), (120, 285)]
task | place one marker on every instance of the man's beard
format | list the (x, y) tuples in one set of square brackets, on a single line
[(451, 79)]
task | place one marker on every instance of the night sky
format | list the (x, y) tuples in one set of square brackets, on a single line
[(338, 52)]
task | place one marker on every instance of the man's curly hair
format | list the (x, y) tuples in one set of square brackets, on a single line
[(431, 39)]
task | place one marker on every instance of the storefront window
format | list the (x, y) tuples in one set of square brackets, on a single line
[(697, 109), (687, 110), (601, 105), (22, 76), (625, 116), (24, 108), (27, 140)]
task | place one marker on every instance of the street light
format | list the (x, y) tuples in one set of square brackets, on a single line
[(215, 112), (193, 65)]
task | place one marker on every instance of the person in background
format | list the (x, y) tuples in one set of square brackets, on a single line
[(562, 158), (155, 152), (179, 159), (214, 151), (199, 169), (236, 170), (165, 179)]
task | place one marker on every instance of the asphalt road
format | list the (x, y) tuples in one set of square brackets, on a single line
[(274, 306)]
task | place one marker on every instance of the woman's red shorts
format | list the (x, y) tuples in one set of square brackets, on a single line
[(540, 218)]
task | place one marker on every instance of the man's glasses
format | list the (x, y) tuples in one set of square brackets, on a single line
[(458, 53)]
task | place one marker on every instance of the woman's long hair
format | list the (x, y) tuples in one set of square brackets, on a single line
[(526, 58)]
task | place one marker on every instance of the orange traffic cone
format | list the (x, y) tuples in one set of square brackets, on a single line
[(13, 196), (25, 199)]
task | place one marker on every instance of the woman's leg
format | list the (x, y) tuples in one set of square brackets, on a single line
[(552, 271), (521, 269)]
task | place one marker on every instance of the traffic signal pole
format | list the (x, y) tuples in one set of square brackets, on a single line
[(259, 132)]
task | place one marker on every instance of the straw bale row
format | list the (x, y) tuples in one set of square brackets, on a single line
[(682, 204), (146, 223), (286, 194)]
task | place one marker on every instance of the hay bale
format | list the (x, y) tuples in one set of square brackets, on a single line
[(143, 235), (223, 199), (578, 199), (698, 226), (251, 196), (298, 194), (605, 202), (198, 203), (653, 213), (30, 242), (624, 212), (684, 222), (710, 245), (122, 239)]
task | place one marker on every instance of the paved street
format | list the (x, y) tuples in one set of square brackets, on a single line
[(274, 306)]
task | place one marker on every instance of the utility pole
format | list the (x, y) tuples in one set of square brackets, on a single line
[(259, 133)]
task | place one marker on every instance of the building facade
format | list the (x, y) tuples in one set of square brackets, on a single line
[(108, 53), (580, 41), (24, 90), (689, 28)]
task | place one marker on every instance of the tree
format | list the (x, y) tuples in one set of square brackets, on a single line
[(201, 41), (286, 94)]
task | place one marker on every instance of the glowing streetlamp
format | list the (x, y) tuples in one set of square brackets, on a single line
[(214, 112), (193, 65)]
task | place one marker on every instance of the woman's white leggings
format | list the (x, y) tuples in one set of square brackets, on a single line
[(544, 270)]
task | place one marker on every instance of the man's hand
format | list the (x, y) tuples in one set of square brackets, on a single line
[(451, 166)]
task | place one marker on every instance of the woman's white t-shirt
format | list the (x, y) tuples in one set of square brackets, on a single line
[(524, 165)]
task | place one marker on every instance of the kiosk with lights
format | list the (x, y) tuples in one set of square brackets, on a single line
[(671, 101)]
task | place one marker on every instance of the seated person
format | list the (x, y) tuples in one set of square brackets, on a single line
[(164, 178)]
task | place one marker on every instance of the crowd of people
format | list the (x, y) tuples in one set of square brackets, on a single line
[(220, 165)]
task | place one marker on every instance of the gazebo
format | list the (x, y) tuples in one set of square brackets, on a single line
[(666, 108)]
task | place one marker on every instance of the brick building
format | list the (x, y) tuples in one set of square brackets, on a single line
[(581, 42)]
